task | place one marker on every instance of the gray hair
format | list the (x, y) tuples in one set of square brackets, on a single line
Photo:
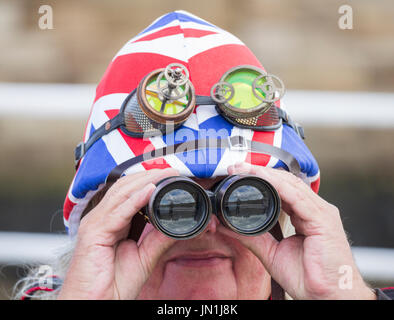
[(42, 275)]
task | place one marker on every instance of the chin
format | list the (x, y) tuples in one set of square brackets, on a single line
[(201, 292), (206, 294), (197, 286)]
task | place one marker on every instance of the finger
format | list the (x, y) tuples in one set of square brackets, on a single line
[(121, 217), (109, 221), (119, 193), (292, 190), (134, 265), (127, 184), (125, 180), (281, 174), (262, 246), (297, 198), (106, 228), (277, 257), (152, 247)]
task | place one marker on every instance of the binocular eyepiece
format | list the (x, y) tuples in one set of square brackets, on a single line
[(180, 208)]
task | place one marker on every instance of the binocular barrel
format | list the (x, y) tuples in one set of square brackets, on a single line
[(180, 208)]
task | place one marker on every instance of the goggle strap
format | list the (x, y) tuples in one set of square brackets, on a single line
[(118, 120), (114, 123), (237, 143), (108, 126), (207, 100), (287, 120), (204, 100)]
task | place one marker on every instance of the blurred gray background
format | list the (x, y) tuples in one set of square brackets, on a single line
[(300, 41)]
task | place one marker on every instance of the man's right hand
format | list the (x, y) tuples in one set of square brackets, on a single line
[(105, 264)]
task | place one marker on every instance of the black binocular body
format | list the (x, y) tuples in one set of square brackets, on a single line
[(181, 208)]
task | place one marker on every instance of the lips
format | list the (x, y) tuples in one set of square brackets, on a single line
[(200, 259)]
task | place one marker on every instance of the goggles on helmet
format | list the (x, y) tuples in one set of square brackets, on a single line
[(165, 98)]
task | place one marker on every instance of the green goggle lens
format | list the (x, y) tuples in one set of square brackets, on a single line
[(242, 81)]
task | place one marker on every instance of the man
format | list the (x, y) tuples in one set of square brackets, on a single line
[(211, 94)]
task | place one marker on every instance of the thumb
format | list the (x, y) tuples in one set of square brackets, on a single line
[(263, 246), (152, 247)]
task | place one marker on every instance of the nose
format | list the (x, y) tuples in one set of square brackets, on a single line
[(212, 225)]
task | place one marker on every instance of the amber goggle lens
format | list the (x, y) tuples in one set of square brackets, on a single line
[(167, 94)]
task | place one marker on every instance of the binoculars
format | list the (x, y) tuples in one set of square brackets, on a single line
[(181, 208)]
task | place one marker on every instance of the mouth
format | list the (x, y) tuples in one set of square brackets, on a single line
[(199, 260)]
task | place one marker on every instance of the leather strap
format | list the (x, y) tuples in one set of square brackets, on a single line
[(233, 143), (116, 122), (137, 225), (277, 292), (204, 100), (108, 126), (286, 119)]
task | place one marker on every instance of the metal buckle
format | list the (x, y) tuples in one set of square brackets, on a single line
[(300, 130), (79, 152), (241, 145)]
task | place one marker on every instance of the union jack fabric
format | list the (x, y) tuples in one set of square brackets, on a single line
[(207, 51)]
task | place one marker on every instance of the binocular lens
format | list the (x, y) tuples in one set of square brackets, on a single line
[(180, 209), (250, 206)]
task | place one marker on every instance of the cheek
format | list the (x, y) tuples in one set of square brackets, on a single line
[(151, 288), (253, 281)]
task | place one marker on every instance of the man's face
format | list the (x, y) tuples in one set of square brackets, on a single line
[(209, 266)]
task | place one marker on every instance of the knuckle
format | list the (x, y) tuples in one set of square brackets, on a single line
[(334, 212), (300, 195), (297, 181), (290, 177), (84, 225), (329, 208), (334, 209), (117, 195), (85, 230)]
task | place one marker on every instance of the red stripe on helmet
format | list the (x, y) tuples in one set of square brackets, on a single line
[(67, 207), (315, 185), (196, 33), (258, 158), (140, 146), (187, 33), (207, 67), (125, 73)]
